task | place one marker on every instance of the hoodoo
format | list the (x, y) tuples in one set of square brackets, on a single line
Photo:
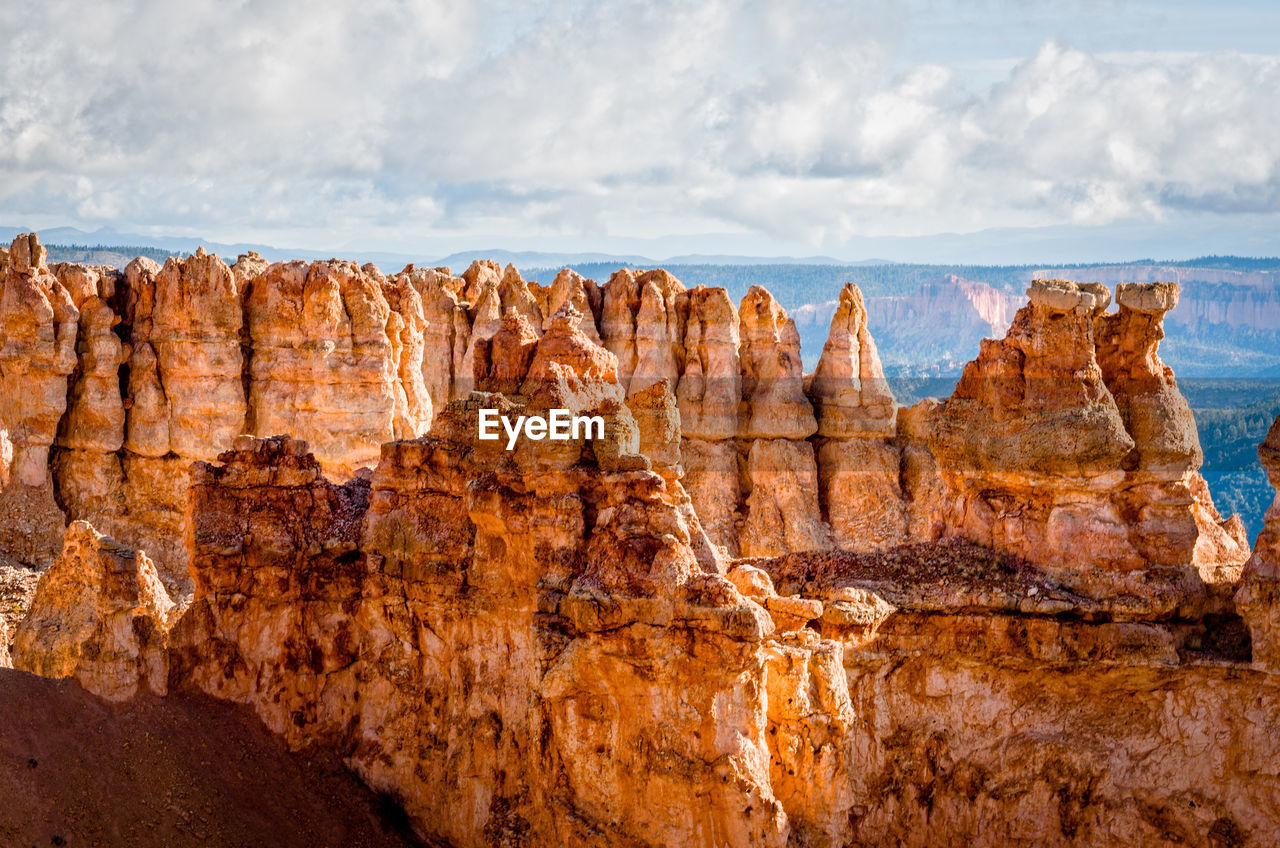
[(754, 608)]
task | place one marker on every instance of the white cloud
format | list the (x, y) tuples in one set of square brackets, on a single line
[(629, 118)]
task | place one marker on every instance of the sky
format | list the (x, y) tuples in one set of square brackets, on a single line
[(848, 129)]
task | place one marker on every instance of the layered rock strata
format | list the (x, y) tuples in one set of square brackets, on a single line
[(505, 641), (1065, 441), (1258, 597), (38, 334), (544, 645), (858, 457), (118, 381)]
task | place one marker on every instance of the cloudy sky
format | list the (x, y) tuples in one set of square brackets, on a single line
[(801, 127)]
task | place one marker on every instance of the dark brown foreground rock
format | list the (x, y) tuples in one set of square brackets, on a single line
[(169, 773)]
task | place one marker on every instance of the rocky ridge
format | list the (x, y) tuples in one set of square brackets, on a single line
[(145, 371)]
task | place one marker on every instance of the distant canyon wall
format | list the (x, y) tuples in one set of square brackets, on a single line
[(1248, 299)]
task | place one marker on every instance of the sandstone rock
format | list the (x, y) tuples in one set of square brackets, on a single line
[(188, 360), (710, 388), (1068, 443), (772, 382), (514, 294), (584, 295), (859, 484), (334, 363), (487, 320), (38, 327), (858, 462), (1258, 598), (446, 329), (100, 615), (814, 756), (344, 628), (658, 422), (792, 613), (248, 267), (1035, 402), (849, 392), (619, 304), (406, 331), (655, 412), (659, 330), (752, 582), (565, 344), (27, 255), (782, 506), (711, 477), (502, 362), (548, 645), (479, 274)]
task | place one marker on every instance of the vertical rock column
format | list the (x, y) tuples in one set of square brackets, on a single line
[(858, 461), (87, 462), (186, 395), (1258, 598), (782, 512), (334, 363), (660, 327), (708, 396), (38, 326), (446, 332), (1031, 442), (1176, 520)]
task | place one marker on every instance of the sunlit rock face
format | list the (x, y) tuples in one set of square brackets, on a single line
[(858, 457), (548, 616), (1258, 597), (1068, 443), (100, 615), (759, 608), (38, 320), (337, 357), (121, 380), (1066, 437)]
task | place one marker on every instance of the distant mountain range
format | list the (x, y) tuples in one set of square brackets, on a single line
[(105, 238)]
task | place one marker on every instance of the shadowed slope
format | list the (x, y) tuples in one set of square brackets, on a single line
[(168, 772)]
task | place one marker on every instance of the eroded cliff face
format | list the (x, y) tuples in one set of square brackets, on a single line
[(1028, 637), (505, 641), (1068, 443), (38, 320), (116, 382), (100, 615)]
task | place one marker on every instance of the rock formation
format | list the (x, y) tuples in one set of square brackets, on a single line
[(781, 472), (1258, 598), (336, 359), (100, 615), (119, 381), (1069, 432), (858, 459), (38, 322), (502, 641), (999, 618), (1068, 443), (709, 394)]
